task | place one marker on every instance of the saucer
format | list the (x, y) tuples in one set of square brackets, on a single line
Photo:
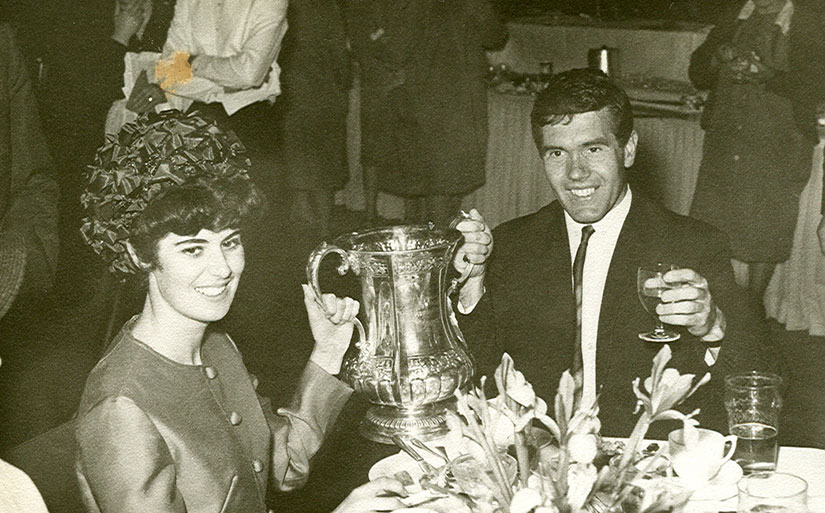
[(391, 465), (722, 486)]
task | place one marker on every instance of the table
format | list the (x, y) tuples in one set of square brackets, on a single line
[(668, 157), (346, 458), (647, 47)]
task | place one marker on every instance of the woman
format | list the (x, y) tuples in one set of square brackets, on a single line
[(169, 419), (759, 128)]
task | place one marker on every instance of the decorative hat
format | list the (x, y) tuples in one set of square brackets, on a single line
[(12, 268), (144, 159)]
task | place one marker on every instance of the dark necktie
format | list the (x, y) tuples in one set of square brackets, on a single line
[(578, 269)]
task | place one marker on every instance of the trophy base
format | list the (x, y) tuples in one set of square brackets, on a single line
[(425, 423)]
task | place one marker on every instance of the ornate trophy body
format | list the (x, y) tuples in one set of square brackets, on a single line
[(412, 355)]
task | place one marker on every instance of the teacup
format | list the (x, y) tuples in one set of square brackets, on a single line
[(699, 461)]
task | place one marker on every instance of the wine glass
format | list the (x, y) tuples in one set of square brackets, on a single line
[(650, 284)]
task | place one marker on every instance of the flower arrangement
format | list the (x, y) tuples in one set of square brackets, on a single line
[(571, 482)]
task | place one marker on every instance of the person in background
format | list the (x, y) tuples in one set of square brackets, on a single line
[(423, 99), (18, 494), (170, 419), (139, 26), (220, 58), (312, 110), (759, 128), (28, 194), (522, 295)]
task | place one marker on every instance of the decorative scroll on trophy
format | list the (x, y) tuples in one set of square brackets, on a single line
[(411, 355)]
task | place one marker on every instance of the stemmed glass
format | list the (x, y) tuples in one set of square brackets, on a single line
[(650, 284)]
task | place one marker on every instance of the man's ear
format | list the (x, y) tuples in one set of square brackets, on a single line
[(145, 266), (630, 149)]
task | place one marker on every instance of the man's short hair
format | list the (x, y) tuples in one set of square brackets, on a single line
[(577, 91)]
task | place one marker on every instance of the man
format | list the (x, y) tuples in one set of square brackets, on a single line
[(28, 196), (521, 299)]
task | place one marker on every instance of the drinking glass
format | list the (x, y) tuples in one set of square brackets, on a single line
[(772, 492), (753, 401), (650, 285)]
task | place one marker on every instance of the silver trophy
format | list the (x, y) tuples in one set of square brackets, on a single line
[(411, 356)]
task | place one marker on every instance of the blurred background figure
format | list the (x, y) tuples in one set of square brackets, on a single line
[(18, 494), (796, 294), (138, 26), (423, 99), (28, 195), (312, 110), (759, 129), (219, 58)]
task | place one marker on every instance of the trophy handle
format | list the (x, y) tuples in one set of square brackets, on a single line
[(313, 266), (458, 281)]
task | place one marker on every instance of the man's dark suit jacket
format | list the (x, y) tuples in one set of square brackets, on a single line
[(528, 310)]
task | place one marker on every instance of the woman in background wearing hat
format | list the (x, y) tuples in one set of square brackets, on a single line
[(170, 419)]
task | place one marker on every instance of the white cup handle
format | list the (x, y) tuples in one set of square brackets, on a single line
[(732, 439)]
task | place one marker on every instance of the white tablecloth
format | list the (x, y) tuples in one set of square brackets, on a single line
[(670, 150), (646, 47)]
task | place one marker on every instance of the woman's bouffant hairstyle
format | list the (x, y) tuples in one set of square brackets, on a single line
[(185, 210), (165, 173), (577, 91)]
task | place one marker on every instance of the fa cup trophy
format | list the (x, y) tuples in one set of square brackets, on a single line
[(411, 355)]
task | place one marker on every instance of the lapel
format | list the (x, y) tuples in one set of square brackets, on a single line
[(557, 282), (620, 287)]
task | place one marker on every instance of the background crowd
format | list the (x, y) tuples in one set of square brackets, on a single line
[(59, 307)]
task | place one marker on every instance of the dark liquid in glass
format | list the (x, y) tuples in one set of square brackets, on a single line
[(756, 446)]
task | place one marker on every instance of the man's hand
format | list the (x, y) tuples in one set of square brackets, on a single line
[(379, 495), (474, 251), (820, 233), (331, 325), (689, 303)]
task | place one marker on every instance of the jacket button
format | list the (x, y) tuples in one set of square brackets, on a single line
[(211, 373), (235, 418), (257, 465)]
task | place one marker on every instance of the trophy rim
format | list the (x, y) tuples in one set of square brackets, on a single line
[(345, 240)]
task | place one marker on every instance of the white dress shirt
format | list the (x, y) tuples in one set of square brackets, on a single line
[(597, 260), (596, 264), (235, 43)]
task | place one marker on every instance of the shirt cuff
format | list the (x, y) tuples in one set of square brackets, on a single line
[(711, 355), (469, 309)]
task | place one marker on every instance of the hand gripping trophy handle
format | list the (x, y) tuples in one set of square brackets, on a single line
[(314, 264), (468, 269)]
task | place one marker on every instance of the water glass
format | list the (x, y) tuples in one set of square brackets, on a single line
[(753, 401), (772, 492)]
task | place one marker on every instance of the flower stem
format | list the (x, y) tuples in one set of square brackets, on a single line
[(639, 432), (492, 460), (523, 457)]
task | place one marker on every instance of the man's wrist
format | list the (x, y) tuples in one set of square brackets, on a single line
[(470, 294), (717, 327)]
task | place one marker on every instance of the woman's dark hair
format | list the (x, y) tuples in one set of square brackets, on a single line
[(577, 91), (187, 209)]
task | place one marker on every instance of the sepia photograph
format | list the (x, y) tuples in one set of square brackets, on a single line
[(412, 256)]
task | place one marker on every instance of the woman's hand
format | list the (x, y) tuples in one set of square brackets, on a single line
[(379, 495), (145, 96), (331, 325)]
